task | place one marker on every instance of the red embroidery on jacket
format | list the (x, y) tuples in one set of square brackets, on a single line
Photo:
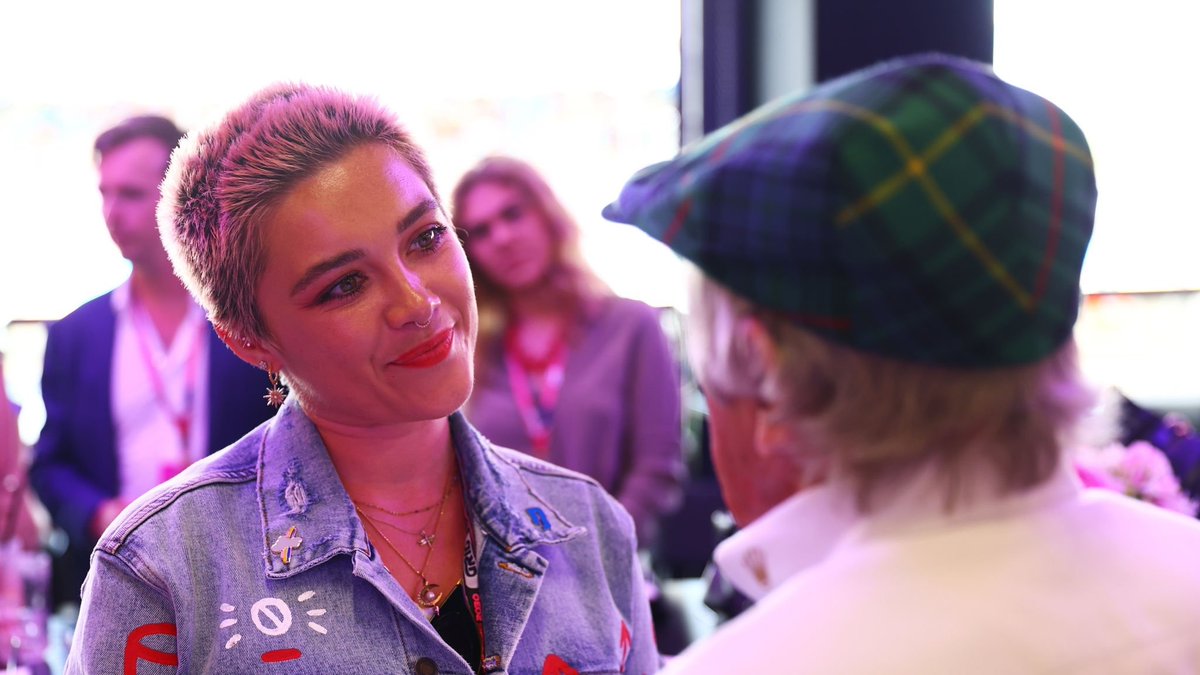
[(626, 645), (136, 651), (281, 655), (554, 665)]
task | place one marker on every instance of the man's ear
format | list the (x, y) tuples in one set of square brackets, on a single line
[(760, 346), (760, 353), (251, 351)]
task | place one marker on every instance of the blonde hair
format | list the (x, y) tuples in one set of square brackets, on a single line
[(875, 418), (570, 277)]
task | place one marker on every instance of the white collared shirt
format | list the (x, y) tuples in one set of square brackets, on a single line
[(149, 446), (1057, 579)]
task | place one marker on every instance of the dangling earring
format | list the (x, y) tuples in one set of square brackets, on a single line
[(275, 393)]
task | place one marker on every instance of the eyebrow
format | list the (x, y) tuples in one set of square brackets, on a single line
[(317, 270), (417, 212), (324, 266)]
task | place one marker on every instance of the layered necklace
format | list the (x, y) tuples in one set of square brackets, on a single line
[(429, 596)]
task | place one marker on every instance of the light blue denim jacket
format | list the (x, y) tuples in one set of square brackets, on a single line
[(188, 573)]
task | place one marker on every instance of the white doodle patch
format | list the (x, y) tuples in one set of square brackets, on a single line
[(272, 617), (305, 597)]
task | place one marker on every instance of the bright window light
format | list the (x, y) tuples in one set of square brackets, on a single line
[(586, 91)]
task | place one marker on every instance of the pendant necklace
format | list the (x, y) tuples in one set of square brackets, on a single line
[(430, 595)]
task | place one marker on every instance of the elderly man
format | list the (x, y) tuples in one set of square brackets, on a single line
[(889, 279)]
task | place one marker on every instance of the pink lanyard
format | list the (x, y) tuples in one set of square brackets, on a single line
[(182, 419), (536, 410)]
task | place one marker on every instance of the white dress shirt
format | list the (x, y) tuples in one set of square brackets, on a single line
[(1057, 579), (150, 448)]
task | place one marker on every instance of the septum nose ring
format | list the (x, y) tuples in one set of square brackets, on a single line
[(432, 309)]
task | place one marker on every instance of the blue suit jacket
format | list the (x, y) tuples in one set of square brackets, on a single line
[(75, 464)]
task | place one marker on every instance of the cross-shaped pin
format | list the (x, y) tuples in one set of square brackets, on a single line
[(284, 545), (427, 539)]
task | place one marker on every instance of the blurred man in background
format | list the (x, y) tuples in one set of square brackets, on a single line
[(135, 382)]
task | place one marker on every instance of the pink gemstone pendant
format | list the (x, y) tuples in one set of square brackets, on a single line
[(429, 596)]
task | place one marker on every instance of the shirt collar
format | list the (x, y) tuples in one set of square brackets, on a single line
[(121, 297), (308, 517), (807, 528)]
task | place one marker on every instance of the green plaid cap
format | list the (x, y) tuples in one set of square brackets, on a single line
[(921, 209)]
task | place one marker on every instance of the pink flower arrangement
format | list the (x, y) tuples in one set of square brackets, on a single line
[(1140, 471)]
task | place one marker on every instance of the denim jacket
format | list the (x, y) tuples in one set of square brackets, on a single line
[(192, 578)]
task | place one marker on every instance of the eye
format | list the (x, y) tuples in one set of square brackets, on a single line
[(431, 239), (512, 212), (478, 232), (347, 286)]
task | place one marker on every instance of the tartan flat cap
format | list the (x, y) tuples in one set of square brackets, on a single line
[(921, 209)]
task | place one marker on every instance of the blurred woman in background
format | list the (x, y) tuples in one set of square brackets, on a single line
[(565, 370)]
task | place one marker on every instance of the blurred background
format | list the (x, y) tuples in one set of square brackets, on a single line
[(590, 92)]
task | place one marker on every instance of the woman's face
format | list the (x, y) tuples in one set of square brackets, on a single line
[(508, 239), (357, 255)]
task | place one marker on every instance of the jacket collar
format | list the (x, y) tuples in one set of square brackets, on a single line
[(308, 517), (808, 528), (500, 495)]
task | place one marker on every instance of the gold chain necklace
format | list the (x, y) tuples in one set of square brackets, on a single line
[(381, 509), (423, 534), (429, 596)]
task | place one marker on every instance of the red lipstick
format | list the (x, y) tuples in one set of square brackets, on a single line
[(429, 353)]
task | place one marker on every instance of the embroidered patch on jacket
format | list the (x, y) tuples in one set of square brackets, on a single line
[(626, 644), (554, 665), (273, 617), (135, 651), (538, 517)]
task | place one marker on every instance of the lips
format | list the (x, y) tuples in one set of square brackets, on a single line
[(429, 353)]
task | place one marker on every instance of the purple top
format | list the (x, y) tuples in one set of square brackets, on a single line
[(618, 414)]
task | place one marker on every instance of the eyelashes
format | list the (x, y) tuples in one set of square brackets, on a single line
[(345, 287), (429, 241)]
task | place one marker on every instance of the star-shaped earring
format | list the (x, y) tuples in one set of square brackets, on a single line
[(275, 394)]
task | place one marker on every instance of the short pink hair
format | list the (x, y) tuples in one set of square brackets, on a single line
[(224, 181)]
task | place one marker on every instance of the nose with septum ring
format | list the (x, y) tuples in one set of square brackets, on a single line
[(433, 305)]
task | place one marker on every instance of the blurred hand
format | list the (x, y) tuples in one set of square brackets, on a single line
[(107, 512)]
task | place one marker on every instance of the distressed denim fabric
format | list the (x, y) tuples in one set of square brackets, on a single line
[(186, 580)]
